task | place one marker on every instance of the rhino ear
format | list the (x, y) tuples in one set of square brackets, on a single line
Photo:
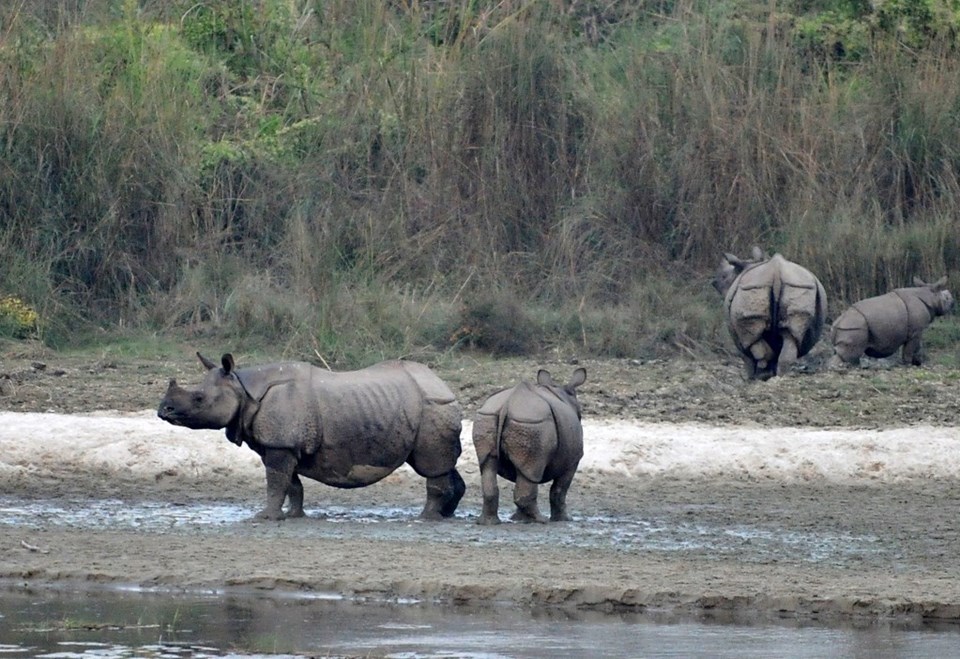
[(734, 260), (757, 253), (579, 377), (940, 284), (206, 362), (544, 378), (919, 282), (227, 361)]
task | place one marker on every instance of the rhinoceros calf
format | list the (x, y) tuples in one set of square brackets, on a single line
[(346, 429), (530, 434), (878, 326), (775, 310)]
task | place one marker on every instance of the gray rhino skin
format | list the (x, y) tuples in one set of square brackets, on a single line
[(530, 434), (346, 429), (878, 326), (775, 310)]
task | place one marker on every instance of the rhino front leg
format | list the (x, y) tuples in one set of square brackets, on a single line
[(443, 495), (558, 497), (525, 497), (912, 351), (281, 466)]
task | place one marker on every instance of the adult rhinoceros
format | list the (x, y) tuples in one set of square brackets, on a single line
[(775, 310), (346, 429), (878, 326), (530, 434)]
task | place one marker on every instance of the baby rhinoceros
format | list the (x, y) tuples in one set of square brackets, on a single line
[(346, 429), (530, 434), (878, 326)]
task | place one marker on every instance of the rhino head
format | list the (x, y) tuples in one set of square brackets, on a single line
[(731, 266), (213, 405), (565, 392), (942, 300)]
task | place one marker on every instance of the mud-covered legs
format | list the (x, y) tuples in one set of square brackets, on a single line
[(491, 493), (443, 495), (525, 498), (282, 482)]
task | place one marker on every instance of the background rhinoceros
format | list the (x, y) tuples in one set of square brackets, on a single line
[(775, 310), (878, 326), (345, 429), (530, 434)]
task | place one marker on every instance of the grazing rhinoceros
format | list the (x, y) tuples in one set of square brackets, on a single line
[(530, 434), (345, 429), (877, 326), (774, 308)]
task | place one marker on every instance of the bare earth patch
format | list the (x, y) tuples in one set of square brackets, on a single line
[(897, 534)]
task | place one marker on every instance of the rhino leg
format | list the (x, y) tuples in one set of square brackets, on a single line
[(788, 354), (443, 495), (280, 465), (558, 497), (912, 351), (295, 497), (491, 492), (525, 498)]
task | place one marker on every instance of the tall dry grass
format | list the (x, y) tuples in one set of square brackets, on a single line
[(356, 178)]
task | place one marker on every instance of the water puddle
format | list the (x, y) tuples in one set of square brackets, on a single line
[(114, 624), (668, 534)]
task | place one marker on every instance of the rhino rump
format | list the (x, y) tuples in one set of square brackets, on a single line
[(535, 431), (776, 295)]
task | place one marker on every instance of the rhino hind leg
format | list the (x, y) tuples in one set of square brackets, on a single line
[(558, 497), (788, 354), (491, 492), (525, 498), (295, 497), (443, 495)]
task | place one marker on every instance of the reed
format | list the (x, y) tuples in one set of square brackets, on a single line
[(352, 178)]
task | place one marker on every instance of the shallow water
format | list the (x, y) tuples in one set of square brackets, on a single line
[(116, 624), (658, 533)]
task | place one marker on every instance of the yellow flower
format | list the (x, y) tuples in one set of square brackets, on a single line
[(17, 317)]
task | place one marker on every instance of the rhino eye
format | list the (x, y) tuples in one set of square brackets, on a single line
[(197, 399)]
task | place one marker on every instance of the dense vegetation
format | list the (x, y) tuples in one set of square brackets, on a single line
[(364, 178)]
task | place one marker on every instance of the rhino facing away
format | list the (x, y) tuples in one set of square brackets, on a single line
[(774, 308), (878, 326), (530, 434), (346, 429)]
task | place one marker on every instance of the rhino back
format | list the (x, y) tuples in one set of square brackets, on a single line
[(375, 410)]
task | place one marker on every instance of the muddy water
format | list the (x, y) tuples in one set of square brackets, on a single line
[(667, 532), (117, 624), (235, 622)]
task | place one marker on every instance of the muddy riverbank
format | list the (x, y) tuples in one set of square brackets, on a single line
[(832, 506)]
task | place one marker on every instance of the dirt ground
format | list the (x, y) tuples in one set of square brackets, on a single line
[(908, 571)]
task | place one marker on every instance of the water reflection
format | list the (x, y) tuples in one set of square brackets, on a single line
[(139, 624)]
